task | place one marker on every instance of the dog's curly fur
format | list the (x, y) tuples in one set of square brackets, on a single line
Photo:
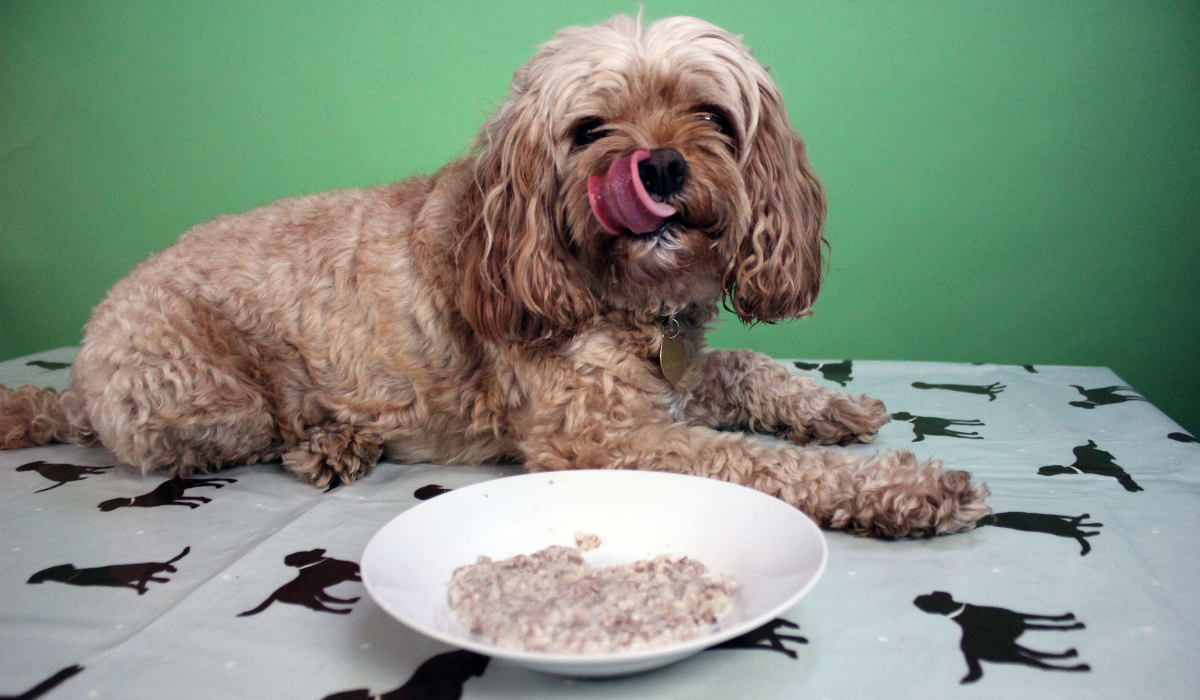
[(483, 315)]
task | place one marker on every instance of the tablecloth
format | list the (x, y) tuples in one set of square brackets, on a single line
[(1081, 585)]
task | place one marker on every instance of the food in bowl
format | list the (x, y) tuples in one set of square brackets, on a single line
[(554, 601)]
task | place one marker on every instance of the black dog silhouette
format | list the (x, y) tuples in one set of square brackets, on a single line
[(317, 572), (45, 686), (168, 493), (1061, 525), (46, 364), (766, 637), (990, 634), (439, 678), (427, 492), (135, 576), (832, 371), (1091, 460), (1103, 396), (62, 473), (1182, 437), (930, 425), (990, 390)]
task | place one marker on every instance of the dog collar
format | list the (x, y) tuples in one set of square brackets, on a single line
[(672, 354)]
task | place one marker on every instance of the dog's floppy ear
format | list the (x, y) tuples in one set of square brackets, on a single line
[(775, 271), (519, 282)]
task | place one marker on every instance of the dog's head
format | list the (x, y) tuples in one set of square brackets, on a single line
[(62, 572), (638, 167)]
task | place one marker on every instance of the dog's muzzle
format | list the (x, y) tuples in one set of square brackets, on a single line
[(620, 199)]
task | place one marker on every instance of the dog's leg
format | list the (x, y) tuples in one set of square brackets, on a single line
[(1030, 661), (748, 390), (1066, 617), (889, 495), (337, 450), (1035, 654), (322, 595), (974, 669), (315, 604), (1062, 628), (169, 383)]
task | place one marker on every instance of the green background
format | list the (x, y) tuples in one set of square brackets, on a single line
[(1010, 182)]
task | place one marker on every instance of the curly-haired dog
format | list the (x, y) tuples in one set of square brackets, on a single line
[(518, 305)]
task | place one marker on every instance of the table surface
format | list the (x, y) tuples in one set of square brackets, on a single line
[(115, 585)]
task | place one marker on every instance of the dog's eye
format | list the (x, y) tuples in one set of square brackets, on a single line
[(589, 131), (719, 121)]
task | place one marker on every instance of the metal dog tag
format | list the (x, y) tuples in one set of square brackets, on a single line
[(673, 358)]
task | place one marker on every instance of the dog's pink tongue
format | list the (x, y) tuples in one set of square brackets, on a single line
[(620, 201)]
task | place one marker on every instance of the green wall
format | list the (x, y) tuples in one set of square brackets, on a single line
[(1012, 182)]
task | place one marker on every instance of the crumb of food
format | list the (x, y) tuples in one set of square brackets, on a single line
[(586, 542), (553, 601)]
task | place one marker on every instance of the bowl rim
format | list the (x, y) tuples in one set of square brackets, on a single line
[(541, 658)]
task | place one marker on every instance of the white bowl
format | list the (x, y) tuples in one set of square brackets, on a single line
[(773, 551)]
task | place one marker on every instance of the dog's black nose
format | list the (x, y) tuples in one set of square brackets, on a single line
[(663, 173)]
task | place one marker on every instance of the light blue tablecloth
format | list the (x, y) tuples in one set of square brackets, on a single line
[(859, 634)]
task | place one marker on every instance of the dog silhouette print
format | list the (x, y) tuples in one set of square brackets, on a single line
[(930, 425), (427, 492), (135, 576), (168, 493), (990, 634), (440, 678), (45, 686), (989, 390), (317, 572), (766, 637), (832, 371), (1061, 525), (1182, 437), (47, 365), (1103, 396), (1089, 459), (62, 473)]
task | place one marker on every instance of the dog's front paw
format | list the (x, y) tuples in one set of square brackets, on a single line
[(333, 451), (843, 420), (900, 497)]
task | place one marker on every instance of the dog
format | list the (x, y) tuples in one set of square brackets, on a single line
[(1090, 459), (441, 677), (542, 300), (767, 637), (1103, 396), (989, 390), (1047, 523), (60, 473), (832, 371), (317, 572), (932, 425), (171, 492), (136, 576), (990, 634)]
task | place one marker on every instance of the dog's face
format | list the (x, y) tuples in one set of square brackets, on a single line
[(643, 168)]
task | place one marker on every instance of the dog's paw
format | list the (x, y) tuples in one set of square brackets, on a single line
[(844, 420), (900, 497), (333, 451)]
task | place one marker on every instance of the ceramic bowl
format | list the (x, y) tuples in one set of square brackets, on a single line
[(774, 552)]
